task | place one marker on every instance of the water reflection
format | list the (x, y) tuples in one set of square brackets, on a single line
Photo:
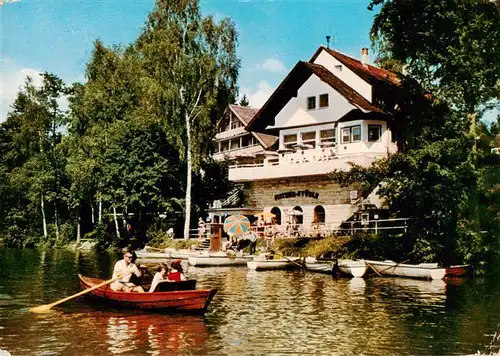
[(275, 312)]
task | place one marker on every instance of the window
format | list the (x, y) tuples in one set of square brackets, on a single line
[(297, 216), (246, 141), (311, 103), (235, 124), (309, 138), (374, 133), (224, 146), (289, 140), (351, 134), (327, 136), (319, 215), (355, 133), (338, 67), (277, 215), (323, 101), (235, 144)]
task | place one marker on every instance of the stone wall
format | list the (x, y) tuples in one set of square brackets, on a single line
[(264, 193)]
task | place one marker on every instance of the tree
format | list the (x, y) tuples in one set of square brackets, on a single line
[(244, 101), (449, 51), (191, 70)]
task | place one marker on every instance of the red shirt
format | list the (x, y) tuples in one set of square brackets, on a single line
[(174, 276)]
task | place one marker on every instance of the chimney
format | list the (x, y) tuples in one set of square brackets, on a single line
[(365, 57), (327, 41)]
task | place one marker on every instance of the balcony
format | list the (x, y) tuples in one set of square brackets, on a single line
[(301, 162)]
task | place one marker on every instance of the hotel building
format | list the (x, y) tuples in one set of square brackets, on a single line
[(327, 112)]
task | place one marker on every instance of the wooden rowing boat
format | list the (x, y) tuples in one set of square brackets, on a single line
[(458, 270), (219, 259), (181, 296), (261, 263), (422, 270)]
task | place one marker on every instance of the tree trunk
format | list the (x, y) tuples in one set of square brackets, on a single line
[(100, 210), (78, 232), (188, 180), (93, 213), (43, 217), (116, 222), (56, 221)]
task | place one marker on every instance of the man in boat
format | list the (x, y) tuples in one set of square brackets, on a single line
[(126, 268)]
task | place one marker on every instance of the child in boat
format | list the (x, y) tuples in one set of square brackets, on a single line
[(159, 276), (176, 274)]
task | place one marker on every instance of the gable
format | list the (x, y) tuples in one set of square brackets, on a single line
[(289, 88), (295, 113)]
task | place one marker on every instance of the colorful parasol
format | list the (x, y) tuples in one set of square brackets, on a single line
[(236, 225)]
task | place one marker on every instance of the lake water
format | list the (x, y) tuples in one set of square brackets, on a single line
[(253, 313)]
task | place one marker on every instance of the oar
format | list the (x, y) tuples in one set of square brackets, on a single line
[(298, 264), (47, 307), (385, 269)]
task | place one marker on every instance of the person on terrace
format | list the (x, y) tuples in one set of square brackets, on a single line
[(124, 269)]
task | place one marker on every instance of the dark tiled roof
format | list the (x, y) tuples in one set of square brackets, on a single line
[(367, 72), (246, 114), (292, 83), (345, 90)]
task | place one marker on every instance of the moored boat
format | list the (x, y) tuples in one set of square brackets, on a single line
[(348, 267), (261, 263), (218, 259), (168, 253), (354, 268), (314, 265), (181, 296), (422, 270), (458, 271)]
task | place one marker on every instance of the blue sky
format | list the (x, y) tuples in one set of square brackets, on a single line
[(57, 36)]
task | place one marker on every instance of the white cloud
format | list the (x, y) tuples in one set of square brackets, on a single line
[(7, 1), (12, 80), (272, 65), (258, 97)]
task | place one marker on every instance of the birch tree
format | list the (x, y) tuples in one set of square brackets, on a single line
[(191, 72)]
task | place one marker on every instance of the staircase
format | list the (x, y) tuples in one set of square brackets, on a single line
[(203, 245)]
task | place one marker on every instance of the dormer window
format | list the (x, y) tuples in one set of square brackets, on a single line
[(323, 101), (311, 103)]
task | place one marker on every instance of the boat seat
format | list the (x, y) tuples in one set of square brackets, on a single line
[(168, 286)]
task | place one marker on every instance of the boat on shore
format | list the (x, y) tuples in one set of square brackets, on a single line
[(218, 259), (180, 296), (352, 268), (422, 270), (261, 263), (168, 253)]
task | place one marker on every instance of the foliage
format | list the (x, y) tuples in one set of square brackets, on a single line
[(449, 51), (244, 101), (120, 156)]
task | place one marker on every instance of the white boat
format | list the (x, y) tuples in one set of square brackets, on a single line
[(354, 268), (168, 253), (218, 259), (312, 264), (260, 263), (422, 270), (348, 267)]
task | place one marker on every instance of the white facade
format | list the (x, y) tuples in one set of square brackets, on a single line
[(295, 113), (345, 74)]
